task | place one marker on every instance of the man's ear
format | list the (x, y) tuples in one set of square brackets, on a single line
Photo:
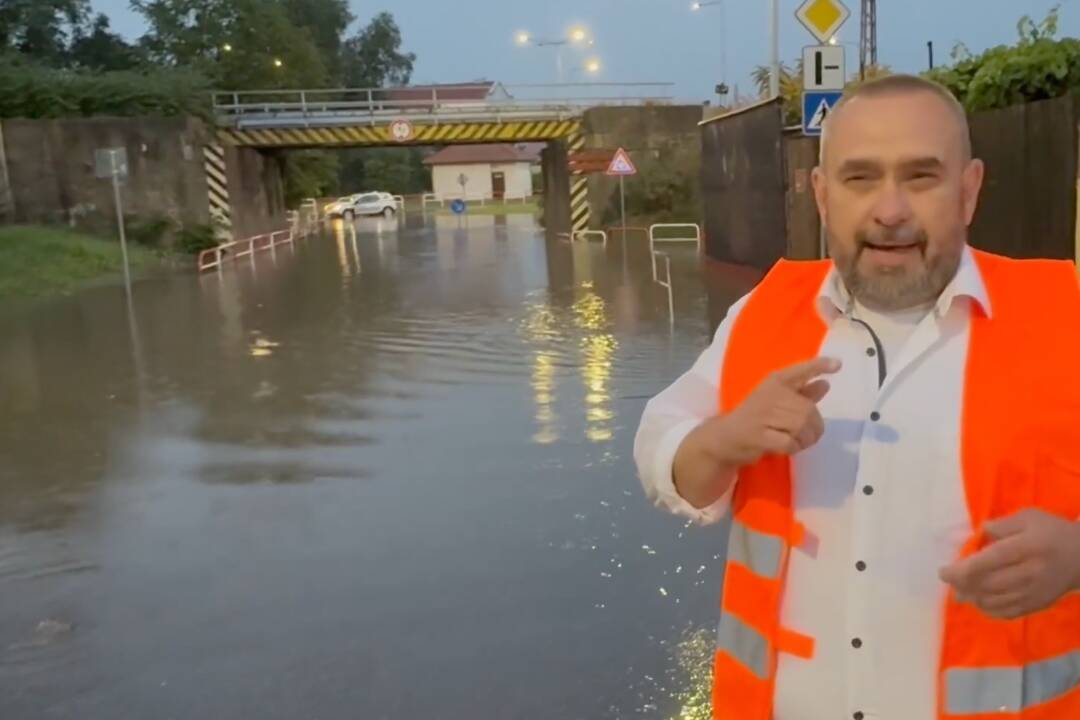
[(821, 193), (972, 182)]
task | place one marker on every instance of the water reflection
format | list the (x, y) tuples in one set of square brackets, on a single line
[(353, 479)]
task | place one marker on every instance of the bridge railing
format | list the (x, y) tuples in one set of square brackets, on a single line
[(439, 104)]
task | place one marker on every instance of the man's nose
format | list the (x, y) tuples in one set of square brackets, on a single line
[(891, 207)]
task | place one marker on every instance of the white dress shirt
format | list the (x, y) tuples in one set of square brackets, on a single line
[(881, 496)]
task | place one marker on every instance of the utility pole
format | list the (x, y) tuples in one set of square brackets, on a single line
[(867, 37), (774, 48), (930, 49)]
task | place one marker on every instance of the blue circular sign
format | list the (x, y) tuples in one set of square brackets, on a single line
[(458, 206)]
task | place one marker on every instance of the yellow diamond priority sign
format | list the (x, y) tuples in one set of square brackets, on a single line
[(822, 17)]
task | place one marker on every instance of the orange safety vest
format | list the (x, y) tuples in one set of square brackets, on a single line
[(1020, 448)]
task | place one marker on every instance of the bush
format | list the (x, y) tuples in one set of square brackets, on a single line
[(193, 239), (149, 232), (1038, 67), (32, 91)]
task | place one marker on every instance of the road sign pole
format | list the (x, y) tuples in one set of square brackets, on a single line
[(120, 224), (622, 201)]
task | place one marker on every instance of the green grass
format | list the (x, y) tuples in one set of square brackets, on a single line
[(40, 261), (492, 208)]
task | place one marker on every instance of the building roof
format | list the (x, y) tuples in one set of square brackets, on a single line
[(474, 154), (445, 91)]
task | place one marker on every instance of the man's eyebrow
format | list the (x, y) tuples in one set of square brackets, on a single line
[(928, 162), (860, 165)]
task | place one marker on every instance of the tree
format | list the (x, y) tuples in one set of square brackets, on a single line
[(1038, 67), (373, 56), (396, 170), (326, 21), (309, 173), (101, 49), (239, 44), (791, 86), (40, 29)]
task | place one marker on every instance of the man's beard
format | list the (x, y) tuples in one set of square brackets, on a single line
[(897, 287)]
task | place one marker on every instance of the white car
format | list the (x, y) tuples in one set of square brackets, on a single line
[(372, 203)]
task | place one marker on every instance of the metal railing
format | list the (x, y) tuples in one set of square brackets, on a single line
[(586, 234), (268, 108), (215, 257), (665, 283), (653, 239)]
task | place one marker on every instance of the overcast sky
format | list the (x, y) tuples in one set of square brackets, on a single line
[(662, 40)]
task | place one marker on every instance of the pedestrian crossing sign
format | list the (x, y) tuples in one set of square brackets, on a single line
[(816, 108), (621, 164)]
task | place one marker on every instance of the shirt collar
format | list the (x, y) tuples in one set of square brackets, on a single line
[(834, 300)]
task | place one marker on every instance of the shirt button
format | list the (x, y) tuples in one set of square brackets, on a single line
[(871, 352), (868, 490), (860, 566), (858, 715), (856, 643), (875, 416)]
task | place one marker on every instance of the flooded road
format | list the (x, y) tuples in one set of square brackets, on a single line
[(378, 475)]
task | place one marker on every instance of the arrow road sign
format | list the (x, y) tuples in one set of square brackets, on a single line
[(823, 67), (816, 108)]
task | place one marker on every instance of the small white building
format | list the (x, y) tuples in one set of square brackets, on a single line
[(488, 171)]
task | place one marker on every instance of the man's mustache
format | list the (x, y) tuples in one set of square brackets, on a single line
[(892, 237)]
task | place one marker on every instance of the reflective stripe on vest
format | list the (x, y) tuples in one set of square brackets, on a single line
[(743, 643), (970, 691), (760, 553)]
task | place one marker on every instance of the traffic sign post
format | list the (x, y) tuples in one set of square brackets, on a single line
[(112, 163), (621, 166), (824, 74), (816, 108)]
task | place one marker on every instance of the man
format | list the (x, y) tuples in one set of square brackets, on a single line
[(894, 433)]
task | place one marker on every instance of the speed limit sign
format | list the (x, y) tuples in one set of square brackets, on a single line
[(401, 130)]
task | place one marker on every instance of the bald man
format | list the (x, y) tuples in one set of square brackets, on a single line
[(892, 434)]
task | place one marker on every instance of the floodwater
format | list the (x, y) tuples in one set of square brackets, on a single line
[(383, 475)]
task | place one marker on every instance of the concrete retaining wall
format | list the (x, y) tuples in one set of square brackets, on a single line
[(51, 169), (655, 135), (50, 164)]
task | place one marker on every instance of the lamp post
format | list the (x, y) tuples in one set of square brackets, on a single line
[(576, 36), (695, 7)]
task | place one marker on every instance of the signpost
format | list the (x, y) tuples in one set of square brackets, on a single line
[(824, 73), (816, 108), (823, 67), (402, 131), (822, 18), (621, 165), (112, 163)]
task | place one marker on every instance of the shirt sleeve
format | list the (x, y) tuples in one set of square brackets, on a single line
[(671, 415)]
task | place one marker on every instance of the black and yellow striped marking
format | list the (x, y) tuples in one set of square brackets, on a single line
[(217, 189), (580, 212), (361, 135)]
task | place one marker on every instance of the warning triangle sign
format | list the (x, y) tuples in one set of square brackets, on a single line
[(817, 120), (621, 164)]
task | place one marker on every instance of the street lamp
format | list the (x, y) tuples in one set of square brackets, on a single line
[(278, 63), (576, 35), (695, 7), (592, 66), (227, 47)]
